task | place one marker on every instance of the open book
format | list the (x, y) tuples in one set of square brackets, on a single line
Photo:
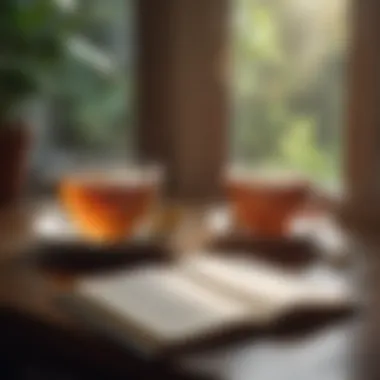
[(158, 307)]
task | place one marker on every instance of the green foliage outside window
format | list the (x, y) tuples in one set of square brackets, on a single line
[(288, 84), (95, 100)]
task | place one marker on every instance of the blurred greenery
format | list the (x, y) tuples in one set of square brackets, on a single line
[(95, 104), (288, 84), (32, 35)]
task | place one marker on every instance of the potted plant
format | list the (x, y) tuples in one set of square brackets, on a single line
[(32, 41)]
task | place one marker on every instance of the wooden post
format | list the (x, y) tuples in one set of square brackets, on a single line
[(360, 213), (183, 95), (363, 132)]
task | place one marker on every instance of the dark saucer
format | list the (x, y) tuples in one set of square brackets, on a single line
[(78, 257)]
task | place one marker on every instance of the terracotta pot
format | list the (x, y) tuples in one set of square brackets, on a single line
[(14, 144)]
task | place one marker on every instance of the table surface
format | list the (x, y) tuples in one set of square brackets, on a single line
[(324, 353)]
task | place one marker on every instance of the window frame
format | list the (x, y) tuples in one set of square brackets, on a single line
[(183, 94)]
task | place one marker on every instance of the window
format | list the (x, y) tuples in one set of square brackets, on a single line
[(92, 113), (287, 90), (289, 85)]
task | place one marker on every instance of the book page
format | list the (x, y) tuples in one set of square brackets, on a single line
[(166, 304), (260, 284)]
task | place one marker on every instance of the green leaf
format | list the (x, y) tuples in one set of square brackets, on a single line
[(36, 15)]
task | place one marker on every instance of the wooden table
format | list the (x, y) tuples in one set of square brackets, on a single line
[(33, 322)]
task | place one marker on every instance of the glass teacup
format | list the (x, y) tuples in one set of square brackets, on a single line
[(110, 204)]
